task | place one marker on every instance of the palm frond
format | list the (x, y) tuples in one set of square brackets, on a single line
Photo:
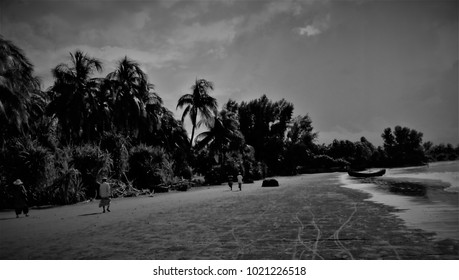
[(185, 99), (186, 112)]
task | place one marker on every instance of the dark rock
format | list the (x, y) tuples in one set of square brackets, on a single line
[(270, 183)]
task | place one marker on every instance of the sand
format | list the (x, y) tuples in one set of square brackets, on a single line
[(307, 217)]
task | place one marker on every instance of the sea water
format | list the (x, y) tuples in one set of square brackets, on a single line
[(437, 211), (447, 172)]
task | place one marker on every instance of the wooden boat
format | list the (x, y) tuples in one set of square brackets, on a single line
[(367, 174)]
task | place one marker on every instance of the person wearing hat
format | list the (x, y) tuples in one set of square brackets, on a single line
[(104, 193), (20, 198)]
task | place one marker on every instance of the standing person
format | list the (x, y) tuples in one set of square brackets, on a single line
[(20, 199), (104, 193), (239, 181), (230, 182)]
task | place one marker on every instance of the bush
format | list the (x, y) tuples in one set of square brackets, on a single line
[(252, 169), (92, 162), (149, 166), (323, 163), (186, 172), (214, 176), (233, 163), (117, 146), (28, 161), (67, 186)]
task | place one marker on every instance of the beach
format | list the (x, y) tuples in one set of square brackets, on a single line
[(307, 217)]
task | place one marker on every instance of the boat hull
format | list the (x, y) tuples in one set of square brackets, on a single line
[(366, 174)]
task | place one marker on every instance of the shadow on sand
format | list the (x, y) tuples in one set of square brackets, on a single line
[(90, 214), (12, 218)]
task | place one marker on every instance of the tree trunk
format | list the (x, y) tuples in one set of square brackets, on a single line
[(192, 136)]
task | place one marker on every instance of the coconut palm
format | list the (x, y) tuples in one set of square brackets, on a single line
[(171, 135), (224, 135), (17, 87), (199, 101), (74, 96), (135, 103)]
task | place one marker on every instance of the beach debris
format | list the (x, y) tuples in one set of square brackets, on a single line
[(181, 185), (270, 183), (121, 189)]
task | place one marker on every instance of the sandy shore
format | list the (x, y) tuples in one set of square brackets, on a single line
[(307, 217)]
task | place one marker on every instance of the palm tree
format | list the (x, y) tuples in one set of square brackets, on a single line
[(17, 87), (199, 101), (74, 95), (171, 135), (224, 135), (135, 103)]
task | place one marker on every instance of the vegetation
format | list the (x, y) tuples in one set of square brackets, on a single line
[(199, 101), (62, 140)]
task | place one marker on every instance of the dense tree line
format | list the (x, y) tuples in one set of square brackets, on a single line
[(61, 140)]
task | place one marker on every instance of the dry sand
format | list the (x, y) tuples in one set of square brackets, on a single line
[(307, 217)]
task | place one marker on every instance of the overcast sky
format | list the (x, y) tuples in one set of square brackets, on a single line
[(356, 67)]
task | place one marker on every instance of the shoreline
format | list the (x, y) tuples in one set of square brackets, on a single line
[(423, 203), (435, 189), (307, 217)]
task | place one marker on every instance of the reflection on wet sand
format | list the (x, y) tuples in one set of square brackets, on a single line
[(423, 204)]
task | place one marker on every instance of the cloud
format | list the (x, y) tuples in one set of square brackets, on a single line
[(318, 26), (212, 38), (269, 12), (309, 30), (221, 31), (140, 19)]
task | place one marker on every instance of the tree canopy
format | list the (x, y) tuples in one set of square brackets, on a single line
[(198, 102)]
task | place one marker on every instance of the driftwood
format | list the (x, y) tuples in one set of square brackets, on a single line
[(182, 185), (120, 189)]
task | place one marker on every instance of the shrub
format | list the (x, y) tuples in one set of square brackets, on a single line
[(214, 176), (92, 162), (231, 165), (325, 162), (252, 169), (185, 171), (27, 160), (67, 186), (149, 166), (118, 146)]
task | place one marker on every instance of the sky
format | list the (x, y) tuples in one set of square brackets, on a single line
[(355, 67)]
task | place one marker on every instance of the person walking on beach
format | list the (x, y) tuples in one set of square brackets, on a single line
[(230, 182), (104, 193), (239, 181), (20, 199)]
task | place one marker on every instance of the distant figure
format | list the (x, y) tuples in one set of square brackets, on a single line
[(104, 193), (239, 181), (20, 198), (230, 182)]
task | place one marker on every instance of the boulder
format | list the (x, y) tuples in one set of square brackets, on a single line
[(270, 183)]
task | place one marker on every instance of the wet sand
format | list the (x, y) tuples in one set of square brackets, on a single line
[(307, 217), (424, 203)]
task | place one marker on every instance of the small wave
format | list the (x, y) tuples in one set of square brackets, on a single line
[(451, 178), (347, 182)]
